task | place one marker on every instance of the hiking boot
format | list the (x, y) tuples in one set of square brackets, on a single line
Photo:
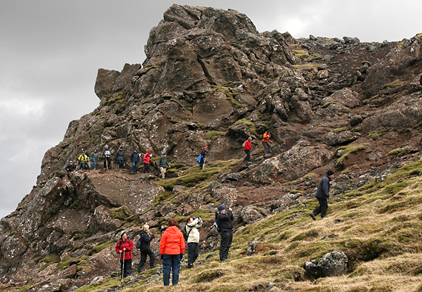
[(312, 216)]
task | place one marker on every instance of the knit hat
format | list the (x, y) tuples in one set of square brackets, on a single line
[(221, 208), (164, 154), (121, 233), (330, 172), (149, 152)]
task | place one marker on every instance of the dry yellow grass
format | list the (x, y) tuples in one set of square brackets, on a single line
[(379, 228)]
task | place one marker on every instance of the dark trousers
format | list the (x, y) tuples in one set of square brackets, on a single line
[(126, 268), (171, 262), (193, 252), (146, 167), (144, 254), (248, 155), (201, 164), (121, 162), (134, 166), (322, 208), (107, 160), (226, 242)]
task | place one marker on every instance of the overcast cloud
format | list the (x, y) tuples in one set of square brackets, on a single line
[(51, 50)]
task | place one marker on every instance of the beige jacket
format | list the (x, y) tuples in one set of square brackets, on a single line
[(192, 230)]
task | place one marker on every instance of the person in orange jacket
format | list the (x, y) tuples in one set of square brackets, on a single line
[(247, 147), (266, 142), (124, 247), (172, 247)]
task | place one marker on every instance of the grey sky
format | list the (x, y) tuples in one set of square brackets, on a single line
[(50, 52)]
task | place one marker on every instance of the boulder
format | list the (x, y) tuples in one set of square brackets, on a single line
[(332, 264)]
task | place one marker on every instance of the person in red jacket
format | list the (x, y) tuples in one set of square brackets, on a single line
[(172, 247), (147, 159), (124, 247), (247, 147)]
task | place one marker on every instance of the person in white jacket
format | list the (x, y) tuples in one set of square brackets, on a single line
[(192, 225)]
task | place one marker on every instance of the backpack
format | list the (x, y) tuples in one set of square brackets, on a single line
[(216, 224), (243, 144), (199, 158), (107, 153), (139, 243), (185, 233)]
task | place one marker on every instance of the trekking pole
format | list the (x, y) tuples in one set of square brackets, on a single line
[(123, 264)]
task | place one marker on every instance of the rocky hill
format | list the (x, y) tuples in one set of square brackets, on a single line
[(211, 79)]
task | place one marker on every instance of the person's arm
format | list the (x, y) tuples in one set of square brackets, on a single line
[(326, 187), (130, 245), (162, 243)]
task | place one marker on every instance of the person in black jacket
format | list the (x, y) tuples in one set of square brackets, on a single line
[(323, 194), (204, 154), (225, 226), (146, 237)]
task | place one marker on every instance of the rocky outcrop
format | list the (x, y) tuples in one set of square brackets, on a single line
[(332, 264), (211, 79)]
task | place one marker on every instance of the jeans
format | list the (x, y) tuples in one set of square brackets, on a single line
[(134, 166), (121, 162), (267, 147), (144, 254), (171, 262), (94, 165), (322, 208), (226, 242), (193, 252)]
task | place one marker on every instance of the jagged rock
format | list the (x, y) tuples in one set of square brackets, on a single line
[(355, 120), (332, 264), (249, 214), (341, 138)]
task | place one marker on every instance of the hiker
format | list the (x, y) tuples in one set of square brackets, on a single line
[(120, 156), (192, 225), (83, 160), (94, 158), (70, 167), (172, 247), (247, 147), (266, 142), (145, 238), (134, 158), (107, 157), (146, 160), (124, 246), (225, 226), (202, 157), (163, 164), (323, 194)]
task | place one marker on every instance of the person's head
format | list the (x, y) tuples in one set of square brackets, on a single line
[(189, 220), (330, 174), (136, 150), (121, 148), (145, 228), (83, 151), (250, 138), (221, 209), (205, 148), (106, 146), (149, 152), (164, 154), (123, 235), (171, 222)]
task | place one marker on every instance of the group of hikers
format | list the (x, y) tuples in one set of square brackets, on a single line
[(173, 243), (135, 158), (163, 163)]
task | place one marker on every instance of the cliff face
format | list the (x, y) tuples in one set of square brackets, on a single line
[(211, 79)]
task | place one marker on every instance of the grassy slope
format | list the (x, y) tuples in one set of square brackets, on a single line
[(379, 228)]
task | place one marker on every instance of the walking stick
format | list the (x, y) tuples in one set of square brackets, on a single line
[(123, 264)]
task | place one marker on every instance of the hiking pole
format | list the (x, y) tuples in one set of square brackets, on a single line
[(123, 264)]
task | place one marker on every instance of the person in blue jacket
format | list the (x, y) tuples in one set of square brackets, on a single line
[(322, 195), (134, 158)]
